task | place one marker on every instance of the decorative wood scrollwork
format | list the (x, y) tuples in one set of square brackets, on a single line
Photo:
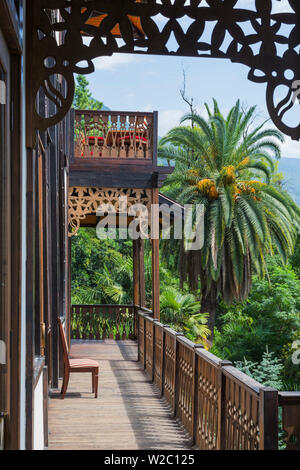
[(84, 201), (252, 37)]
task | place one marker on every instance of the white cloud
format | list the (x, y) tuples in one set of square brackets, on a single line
[(168, 119), (114, 62), (281, 6), (291, 148), (278, 6)]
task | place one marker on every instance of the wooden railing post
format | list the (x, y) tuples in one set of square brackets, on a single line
[(137, 317), (141, 340), (176, 371), (149, 353), (268, 419), (290, 403), (144, 340), (162, 391), (195, 392), (221, 434), (135, 322), (153, 348)]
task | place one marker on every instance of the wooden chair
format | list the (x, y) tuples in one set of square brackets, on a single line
[(76, 365)]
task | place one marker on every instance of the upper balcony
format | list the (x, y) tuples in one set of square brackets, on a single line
[(123, 145)]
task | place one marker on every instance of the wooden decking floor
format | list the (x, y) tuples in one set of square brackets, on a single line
[(128, 414)]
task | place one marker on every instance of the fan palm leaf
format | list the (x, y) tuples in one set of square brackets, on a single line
[(226, 165)]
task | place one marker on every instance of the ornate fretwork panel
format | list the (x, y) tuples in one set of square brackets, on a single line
[(261, 34), (114, 135), (85, 201)]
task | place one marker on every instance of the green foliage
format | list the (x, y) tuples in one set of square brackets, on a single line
[(103, 326), (268, 372), (230, 170), (248, 218), (83, 97), (102, 270), (295, 258), (181, 311), (102, 273), (175, 306), (270, 317)]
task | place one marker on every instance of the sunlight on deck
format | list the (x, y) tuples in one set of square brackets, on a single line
[(128, 414)]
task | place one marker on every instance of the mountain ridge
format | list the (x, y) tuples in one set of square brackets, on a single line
[(290, 167)]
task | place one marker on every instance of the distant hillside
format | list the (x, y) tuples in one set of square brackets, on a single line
[(291, 169)]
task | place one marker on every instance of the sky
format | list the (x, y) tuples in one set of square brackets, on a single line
[(152, 83)]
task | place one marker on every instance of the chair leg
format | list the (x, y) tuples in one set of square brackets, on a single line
[(96, 380), (93, 382), (65, 383)]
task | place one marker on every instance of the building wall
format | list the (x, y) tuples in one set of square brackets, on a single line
[(23, 263), (38, 413)]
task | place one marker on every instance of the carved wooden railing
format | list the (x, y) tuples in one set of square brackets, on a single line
[(290, 405), (124, 136), (97, 322), (221, 407)]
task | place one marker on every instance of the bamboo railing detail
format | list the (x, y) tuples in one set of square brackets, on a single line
[(97, 322)]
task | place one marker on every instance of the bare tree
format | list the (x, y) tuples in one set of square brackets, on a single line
[(187, 99)]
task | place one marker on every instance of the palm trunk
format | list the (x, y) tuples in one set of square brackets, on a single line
[(209, 305)]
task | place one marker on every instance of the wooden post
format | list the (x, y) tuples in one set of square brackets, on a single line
[(142, 273), (221, 427), (137, 323), (176, 372), (136, 266), (268, 422), (30, 301), (144, 341), (162, 390), (153, 351), (155, 253), (195, 393), (290, 403)]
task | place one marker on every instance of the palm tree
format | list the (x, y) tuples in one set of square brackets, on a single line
[(226, 165), (182, 311)]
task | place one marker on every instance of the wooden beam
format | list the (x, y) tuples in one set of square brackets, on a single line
[(155, 252), (54, 257), (106, 175), (30, 300)]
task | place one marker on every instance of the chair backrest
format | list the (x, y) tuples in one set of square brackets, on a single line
[(64, 342)]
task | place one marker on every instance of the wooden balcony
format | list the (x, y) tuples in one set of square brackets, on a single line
[(128, 414), (145, 384), (115, 135), (116, 148)]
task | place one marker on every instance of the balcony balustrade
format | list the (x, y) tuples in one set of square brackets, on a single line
[(220, 407), (122, 136)]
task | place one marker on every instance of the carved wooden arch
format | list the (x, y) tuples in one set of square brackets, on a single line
[(87, 200), (259, 50)]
